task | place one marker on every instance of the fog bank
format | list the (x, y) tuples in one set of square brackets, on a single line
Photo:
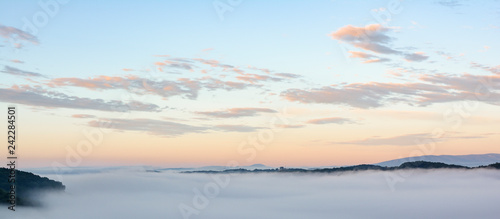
[(423, 194)]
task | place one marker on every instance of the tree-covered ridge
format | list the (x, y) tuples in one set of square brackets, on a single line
[(26, 184), (362, 167)]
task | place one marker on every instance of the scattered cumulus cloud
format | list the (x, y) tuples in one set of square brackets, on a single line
[(255, 78), (237, 112), (83, 116), (491, 69), (416, 57), (162, 127), (372, 38), (17, 36), (430, 89), (331, 120), (288, 75), (367, 58), (236, 128), (182, 87), (289, 126), (154, 127), (18, 72), (17, 61), (39, 97), (361, 55)]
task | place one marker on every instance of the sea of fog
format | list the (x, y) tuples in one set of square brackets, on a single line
[(416, 194)]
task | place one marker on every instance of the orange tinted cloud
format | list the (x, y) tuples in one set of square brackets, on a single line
[(82, 116), (368, 58), (373, 38), (255, 78), (13, 33), (17, 61), (100, 82), (362, 55)]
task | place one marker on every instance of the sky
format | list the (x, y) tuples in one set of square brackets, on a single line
[(282, 83)]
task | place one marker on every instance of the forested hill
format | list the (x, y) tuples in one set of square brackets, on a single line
[(26, 185)]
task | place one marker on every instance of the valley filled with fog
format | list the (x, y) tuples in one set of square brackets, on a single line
[(365, 194)]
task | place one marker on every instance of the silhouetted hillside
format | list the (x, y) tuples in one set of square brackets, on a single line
[(429, 165), (495, 165), (26, 185), (492, 166)]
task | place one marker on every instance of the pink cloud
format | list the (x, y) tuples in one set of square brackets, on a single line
[(371, 37), (17, 61), (18, 35), (368, 58), (376, 60), (362, 55), (416, 57), (255, 78), (82, 116)]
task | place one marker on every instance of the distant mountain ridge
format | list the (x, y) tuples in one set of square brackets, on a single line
[(472, 160), (218, 168), (94, 170), (363, 167)]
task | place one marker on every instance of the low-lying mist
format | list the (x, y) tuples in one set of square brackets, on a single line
[(421, 194)]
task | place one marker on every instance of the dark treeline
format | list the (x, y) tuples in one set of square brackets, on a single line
[(362, 167)]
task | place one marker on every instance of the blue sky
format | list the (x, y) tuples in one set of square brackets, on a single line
[(302, 55)]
